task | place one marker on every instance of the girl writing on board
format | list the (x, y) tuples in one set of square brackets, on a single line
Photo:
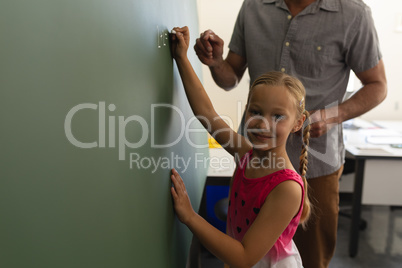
[(268, 198)]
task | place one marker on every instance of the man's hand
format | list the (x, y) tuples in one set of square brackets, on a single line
[(209, 48), (321, 121)]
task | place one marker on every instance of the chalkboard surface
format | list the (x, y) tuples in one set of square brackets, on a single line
[(93, 116)]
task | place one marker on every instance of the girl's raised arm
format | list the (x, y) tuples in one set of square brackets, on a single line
[(200, 102)]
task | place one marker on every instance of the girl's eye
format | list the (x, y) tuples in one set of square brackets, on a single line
[(278, 117), (254, 112)]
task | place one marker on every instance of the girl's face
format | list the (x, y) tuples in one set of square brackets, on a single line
[(271, 116)]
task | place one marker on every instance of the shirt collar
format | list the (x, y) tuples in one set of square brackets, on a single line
[(328, 5)]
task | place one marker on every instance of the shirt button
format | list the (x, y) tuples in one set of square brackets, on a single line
[(287, 44), (319, 48), (289, 17), (283, 70)]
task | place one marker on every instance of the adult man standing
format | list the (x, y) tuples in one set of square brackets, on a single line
[(319, 42)]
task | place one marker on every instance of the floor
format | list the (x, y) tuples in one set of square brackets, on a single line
[(380, 244)]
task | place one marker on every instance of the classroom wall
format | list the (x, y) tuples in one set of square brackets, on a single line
[(93, 116), (221, 18), (387, 14)]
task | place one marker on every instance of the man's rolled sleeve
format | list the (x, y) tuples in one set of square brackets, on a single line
[(364, 52), (237, 42)]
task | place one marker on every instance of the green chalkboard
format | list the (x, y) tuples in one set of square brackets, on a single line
[(93, 116)]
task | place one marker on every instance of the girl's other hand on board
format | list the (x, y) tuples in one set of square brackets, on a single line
[(182, 204)]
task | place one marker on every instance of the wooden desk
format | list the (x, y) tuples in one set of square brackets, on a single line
[(378, 178)]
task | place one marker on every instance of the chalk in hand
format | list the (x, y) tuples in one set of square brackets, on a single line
[(173, 32)]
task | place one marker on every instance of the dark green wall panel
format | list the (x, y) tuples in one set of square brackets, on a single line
[(65, 206)]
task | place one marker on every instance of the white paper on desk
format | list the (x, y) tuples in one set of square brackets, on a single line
[(390, 124), (360, 123), (384, 140), (383, 136), (372, 150)]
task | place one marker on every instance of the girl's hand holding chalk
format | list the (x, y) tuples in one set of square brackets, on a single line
[(180, 42)]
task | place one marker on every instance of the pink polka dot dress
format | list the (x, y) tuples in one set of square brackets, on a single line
[(246, 198)]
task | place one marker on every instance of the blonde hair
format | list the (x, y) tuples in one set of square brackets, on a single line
[(297, 90)]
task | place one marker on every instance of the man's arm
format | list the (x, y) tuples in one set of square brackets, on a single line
[(372, 93), (228, 74)]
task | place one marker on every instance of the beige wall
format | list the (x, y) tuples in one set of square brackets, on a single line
[(385, 13), (220, 16)]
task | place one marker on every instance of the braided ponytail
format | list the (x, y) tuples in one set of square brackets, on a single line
[(303, 169)]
